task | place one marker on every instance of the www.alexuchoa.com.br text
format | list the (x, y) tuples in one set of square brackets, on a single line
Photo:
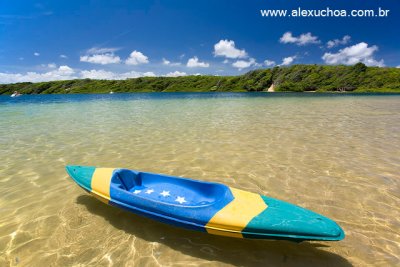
[(327, 12)]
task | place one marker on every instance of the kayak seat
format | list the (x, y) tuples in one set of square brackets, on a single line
[(126, 179)]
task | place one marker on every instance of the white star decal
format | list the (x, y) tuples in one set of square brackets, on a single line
[(181, 200), (165, 193), (149, 191), (137, 192)]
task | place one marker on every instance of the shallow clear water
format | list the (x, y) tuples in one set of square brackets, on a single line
[(335, 154)]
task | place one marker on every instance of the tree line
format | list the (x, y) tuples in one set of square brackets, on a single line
[(296, 78)]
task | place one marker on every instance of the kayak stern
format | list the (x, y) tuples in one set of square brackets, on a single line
[(82, 175)]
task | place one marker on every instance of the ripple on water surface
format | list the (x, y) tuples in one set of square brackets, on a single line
[(336, 155)]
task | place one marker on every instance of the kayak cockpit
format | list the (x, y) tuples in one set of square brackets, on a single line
[(126, 179), (164, 189)]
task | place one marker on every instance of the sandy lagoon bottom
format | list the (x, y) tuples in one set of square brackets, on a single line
[(335, 154)]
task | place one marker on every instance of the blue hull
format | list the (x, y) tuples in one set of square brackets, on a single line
[(203, 206)]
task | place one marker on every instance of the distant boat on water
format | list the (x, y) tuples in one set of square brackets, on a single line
[(16, 94), (111, 92)]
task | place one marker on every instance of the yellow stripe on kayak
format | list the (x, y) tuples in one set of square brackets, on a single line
[(235, 216), (101, 180)]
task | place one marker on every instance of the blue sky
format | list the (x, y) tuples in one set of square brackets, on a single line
[(50, 40)]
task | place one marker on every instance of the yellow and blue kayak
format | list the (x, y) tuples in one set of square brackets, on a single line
[(203, 206)]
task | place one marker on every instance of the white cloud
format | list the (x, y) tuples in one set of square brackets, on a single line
[(195, 63), (63, 56), (303, 39), (225, 61), (98, 74), (226, 48), (360, 52), (169, 63), (103, 59), (288, 60), (336, 42), (166, 61), (242, 64), (398, 67), (109, 75), (102, 50), (67, 73), (148, 74), (100, 55), (51, 65), (136, 58), (65, 70), (269, 63), (175, 74), (62, 73), (36, 54)]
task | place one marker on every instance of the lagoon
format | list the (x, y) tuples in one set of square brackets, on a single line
[(336, 154)]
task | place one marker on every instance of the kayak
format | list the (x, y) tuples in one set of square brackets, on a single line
[(204, 206)]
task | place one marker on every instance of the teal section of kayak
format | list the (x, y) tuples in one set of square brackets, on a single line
[(282, 220), (82, 175)]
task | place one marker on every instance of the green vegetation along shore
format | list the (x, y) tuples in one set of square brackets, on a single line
[(297, 78)]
